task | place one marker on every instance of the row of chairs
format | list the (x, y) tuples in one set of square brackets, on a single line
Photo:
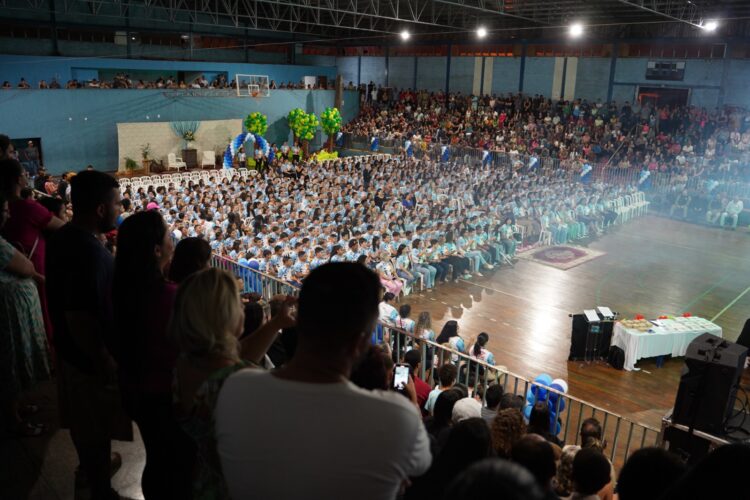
[(197, 175)]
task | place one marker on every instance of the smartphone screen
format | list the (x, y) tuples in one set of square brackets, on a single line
[(401, 377)]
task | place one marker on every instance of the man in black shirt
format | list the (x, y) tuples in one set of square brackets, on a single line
[(79, 275)]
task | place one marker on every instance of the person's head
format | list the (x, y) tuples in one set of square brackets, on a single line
[(563, 478), (443, 410), (494, 478), (510, 400), (507, 428), (6, 147), (337, 311), (56, 206), (720, 474), (144, 248), (591, 471), (404, 311), (450, 329), (482, 339), (190, 255), (493, 395), (447, 375), (648, 473), (466, 408), (468, 442), (539, 420), (208, 315), (591, 433), (95, 197), (388, 297), (372, 371), (13, 179), (537, 455), (413, 358)]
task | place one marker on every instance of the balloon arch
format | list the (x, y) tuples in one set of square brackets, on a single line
[(242, 140)]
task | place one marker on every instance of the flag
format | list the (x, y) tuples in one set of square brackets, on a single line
[(340, 139), (374, 143), (408, 148), (486, 157), (445, 154), (533, 161)]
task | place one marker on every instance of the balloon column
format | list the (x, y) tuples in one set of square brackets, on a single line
[(248, 140), (256, 123), (294, 119), (556, 403), (330, 120)]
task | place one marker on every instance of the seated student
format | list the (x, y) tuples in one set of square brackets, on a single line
[(715, 208), (403, 321), (447, 378), (591, 473), (681, 203), (732, 211), (387, 313), (337, 310), (538, 457), (477, 350)]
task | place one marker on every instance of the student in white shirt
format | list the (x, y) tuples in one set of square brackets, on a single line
[(305, 431), (386, 312)]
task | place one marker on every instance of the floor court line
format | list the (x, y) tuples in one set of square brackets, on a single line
[(728, 306)]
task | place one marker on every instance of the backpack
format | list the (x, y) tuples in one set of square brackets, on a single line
[(616, 358)]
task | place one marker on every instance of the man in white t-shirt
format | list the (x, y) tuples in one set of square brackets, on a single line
[(305, 431), (447, 375)]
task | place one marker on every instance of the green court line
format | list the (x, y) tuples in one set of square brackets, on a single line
[(700, 297), (726, 308)]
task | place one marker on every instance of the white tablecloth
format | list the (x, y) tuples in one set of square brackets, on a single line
[(668, 337)]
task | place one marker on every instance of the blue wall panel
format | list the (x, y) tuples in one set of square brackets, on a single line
[(705, 98), (505, 73), (592, 78), (12, 68), (373, 70), (538, 75), (462, 74), (401, 72), (347, 67), (78, 127), (622, 93), (737, 88), (431, 73)]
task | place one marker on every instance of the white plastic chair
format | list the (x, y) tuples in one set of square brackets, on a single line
[(175, 162), (209, 159)]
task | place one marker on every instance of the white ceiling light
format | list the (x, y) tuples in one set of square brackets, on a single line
[(405, 35), (576, 30), (482, 32), (710, 25)]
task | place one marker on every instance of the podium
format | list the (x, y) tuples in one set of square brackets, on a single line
[(591, 334)]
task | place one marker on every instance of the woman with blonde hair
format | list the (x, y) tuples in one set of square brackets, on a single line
[(423, 330), (207, 322)]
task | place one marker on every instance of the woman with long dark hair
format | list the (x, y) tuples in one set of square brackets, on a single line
[(190, 255), (143, 300), (449, 337), (478, 351)]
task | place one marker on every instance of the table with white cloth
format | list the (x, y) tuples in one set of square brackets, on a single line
[(665, 337)]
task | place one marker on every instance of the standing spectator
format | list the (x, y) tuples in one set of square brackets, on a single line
[(388, 313), (190, 256), (681, 203), (6, 148), (79, 280), (31, 158), (143, 303), (591, 473), (648, 474), (208, 319), (27, 224), (538, 456), (492, 398), (338, 308), (447, 376), (403, 321), (507, 428), (414, 359), (23, 345), (494, 478)]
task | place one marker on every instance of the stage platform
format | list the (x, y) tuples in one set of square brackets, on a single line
[(652, 266)]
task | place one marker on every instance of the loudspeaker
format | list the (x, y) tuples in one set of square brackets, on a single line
[(744, 338), (708, 386), (589, 338)]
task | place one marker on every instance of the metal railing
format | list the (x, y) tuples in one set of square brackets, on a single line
[(622, 434)]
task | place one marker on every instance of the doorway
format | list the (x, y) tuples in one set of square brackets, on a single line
[(660, 96)]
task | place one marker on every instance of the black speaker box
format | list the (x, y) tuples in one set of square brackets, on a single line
[(708, 386), (583, 344)]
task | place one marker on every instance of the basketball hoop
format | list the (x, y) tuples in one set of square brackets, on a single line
[(255, 86)]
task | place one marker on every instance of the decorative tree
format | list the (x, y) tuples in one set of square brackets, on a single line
[(331, 122), (256, 123), (294, 119)]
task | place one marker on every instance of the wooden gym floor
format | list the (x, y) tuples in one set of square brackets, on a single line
[(653, 266)]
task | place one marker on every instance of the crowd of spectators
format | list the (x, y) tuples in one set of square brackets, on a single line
[(124, 81), (625, 135)]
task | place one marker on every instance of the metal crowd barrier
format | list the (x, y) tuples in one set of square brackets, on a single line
[(622, 434)]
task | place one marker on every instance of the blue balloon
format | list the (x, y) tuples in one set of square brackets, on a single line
[(527, 412)]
